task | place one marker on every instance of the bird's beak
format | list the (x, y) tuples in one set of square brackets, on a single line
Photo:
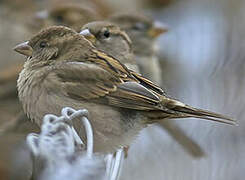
[(41, 15), (157, 29), (88, 35), (24, 49)]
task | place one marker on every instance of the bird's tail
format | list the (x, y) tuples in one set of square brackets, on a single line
[(176, 109)]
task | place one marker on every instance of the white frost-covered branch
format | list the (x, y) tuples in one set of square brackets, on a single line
[(58, 151)]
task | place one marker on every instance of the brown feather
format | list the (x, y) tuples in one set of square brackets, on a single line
[(90, 82)]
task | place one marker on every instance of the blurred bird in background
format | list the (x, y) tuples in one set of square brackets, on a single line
[(70, 15), (143, 32)]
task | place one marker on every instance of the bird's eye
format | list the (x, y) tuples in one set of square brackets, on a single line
[(43, 44), (139, 26), (59, 18), (107, 34)]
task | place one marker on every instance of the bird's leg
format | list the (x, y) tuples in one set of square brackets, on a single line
[(125, 149)]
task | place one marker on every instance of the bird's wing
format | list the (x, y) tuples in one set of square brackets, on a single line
[(115, 67), (110, 64), (84, 81), (147, 83), (105, 80)]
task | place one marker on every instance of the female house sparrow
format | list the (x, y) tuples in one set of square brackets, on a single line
[(143, 33), (64, 69), (105, 35), (67, 14)]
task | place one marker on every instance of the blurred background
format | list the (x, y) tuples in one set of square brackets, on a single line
[(202, 60)]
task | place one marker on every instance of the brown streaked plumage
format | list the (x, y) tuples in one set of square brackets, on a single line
[(68, 14), (109, 38), (65, 69), (144, 31)]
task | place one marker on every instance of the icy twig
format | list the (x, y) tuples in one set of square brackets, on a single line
[(58, 139)]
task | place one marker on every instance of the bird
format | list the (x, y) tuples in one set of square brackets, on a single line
[(67, 14), (108, 37), (104, 35), (64, 69), (143, 31)]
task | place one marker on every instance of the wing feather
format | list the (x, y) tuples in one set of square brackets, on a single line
[(91, 82)]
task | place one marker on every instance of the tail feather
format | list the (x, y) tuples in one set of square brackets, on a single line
[(185, 111), (232, 122)]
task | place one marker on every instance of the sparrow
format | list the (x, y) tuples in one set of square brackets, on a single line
[(109, 38), (103, 8), (64, 69), (67, 14), (104, 35), (143, 32)]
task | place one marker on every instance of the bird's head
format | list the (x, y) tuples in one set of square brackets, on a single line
[(141, 29), (53, 44), (108, 37)]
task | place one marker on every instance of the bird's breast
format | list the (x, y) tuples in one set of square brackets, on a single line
[(113, 127)]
